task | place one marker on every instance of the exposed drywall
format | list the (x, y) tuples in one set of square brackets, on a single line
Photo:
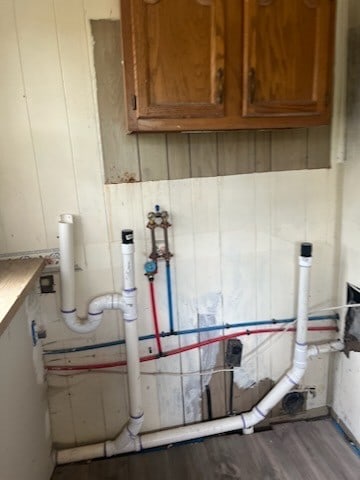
[(25, 437), (347, 370), (235, 238)]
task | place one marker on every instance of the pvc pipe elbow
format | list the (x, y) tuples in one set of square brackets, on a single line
[(111, 301), (79, 325)]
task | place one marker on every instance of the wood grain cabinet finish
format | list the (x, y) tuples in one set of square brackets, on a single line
[(193, 65)]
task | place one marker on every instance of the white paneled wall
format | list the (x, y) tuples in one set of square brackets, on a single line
[(347, 370), (235, 239)]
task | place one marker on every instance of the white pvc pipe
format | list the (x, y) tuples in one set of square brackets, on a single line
[(129, 440), (131, 334), (126, 440), (113, 301), (247, 420), (178, 434), (315, 350), (303, 299), (67, 277)]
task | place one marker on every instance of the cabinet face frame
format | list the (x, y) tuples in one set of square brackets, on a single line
[(234, 112)]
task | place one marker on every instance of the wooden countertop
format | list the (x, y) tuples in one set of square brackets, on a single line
[(17, 278)]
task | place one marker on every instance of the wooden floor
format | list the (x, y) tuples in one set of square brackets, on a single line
[(313, 450)]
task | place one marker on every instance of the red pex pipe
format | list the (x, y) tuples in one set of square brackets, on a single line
[(155, 318), (185, 348)]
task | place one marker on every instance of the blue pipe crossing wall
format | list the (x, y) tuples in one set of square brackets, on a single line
[(186, 332)]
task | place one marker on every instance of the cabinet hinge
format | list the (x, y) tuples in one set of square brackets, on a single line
[(133, 102)]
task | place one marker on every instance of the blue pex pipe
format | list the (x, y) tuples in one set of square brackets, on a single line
[(211, 328), (169, 294)]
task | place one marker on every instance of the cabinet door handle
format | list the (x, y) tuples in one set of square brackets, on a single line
[(219, 85), (252, 85)]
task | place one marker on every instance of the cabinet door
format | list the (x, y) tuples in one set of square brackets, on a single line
[(287, 52), (178, 57)]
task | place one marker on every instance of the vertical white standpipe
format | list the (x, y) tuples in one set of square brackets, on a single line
[(127, 440), (67, 276), (67, 283), (130, 320), (296, 372)]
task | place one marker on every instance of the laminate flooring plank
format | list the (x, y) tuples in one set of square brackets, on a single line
[(190, 462), (242, 457), (315, 455), (150, 466), (110, 469), (331, 447), (284, 461), (71, 472), (334, 441), (312, 450), (307, 454), (231, 458)]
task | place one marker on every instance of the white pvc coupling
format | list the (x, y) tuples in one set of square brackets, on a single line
[(300, 356), (129, 305), (305, 261)]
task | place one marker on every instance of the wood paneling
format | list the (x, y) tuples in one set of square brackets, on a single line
[(318, 147), (288, 149), (153, 158), (262, 151), (47, 111), (203, 154), (129, 158), (18, 163), (178, 152), (120, 151), (236, 152)]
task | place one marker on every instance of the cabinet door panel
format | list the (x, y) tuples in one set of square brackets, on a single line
[(178, 57), (287, 45)]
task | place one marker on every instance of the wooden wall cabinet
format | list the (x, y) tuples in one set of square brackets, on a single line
[(227, 64)]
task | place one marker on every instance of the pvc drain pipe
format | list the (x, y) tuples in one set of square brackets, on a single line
[(245, 421), (127, 303), (111, 301)]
